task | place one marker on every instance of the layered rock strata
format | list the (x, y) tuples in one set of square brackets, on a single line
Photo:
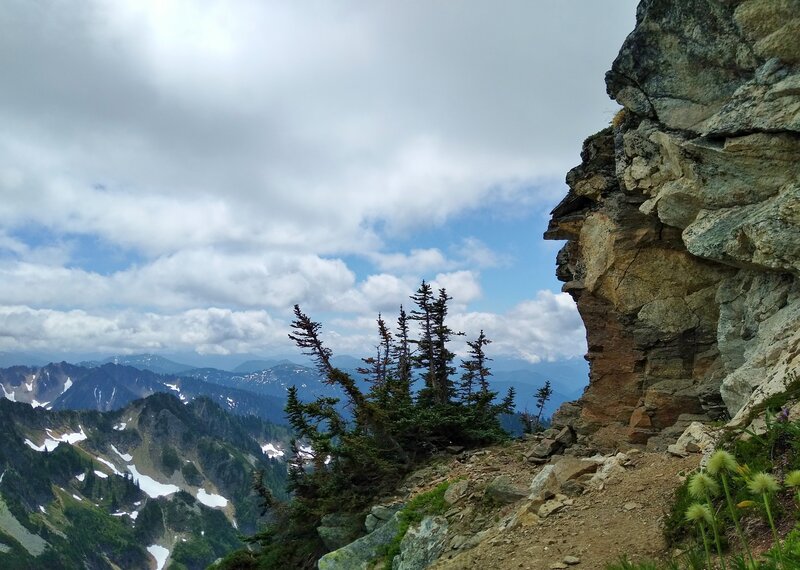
[(683, 221)]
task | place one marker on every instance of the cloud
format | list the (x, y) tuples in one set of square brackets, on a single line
[(236, 157), (206, 331), (160, 126), (416, 261), (547, 327)]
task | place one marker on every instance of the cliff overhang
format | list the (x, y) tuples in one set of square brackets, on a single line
[(683, 222)]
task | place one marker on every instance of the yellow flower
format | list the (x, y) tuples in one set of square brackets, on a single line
[(722, 461), (697, 512), (763, 483), (701, 485), (746, 504)]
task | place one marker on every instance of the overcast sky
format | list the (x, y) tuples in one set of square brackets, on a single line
[(175, 175)]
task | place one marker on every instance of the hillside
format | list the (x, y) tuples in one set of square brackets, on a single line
[(106, 490)]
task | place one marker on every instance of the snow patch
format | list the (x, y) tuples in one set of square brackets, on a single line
[(101, 474), (81, 477), (150, 486), (29, 386), (10, 395), (76, 497), (134, 514), (36, 404), (160, 554), (70, 438), (52, 441), (109, 465), (173, 387), (124, 456), (41, 508), (121, 426), (211, 500), (48, 445), (67, 385), (271, 450)]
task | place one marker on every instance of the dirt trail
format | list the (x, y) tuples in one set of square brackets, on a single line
[(601, 525)]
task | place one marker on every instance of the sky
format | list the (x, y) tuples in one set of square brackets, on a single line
[(176, 175)]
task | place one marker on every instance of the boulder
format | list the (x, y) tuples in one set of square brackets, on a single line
[(545, 483), (502, 491), (568, 468), (422, 544), (698, 438), (379, 514), (358, 555)]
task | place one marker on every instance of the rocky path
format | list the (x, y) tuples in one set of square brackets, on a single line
[(599, 526)]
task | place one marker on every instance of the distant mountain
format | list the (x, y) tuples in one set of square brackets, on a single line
[(274, 381), (111, 386), (151, 362), (118, 489), (256, 365)]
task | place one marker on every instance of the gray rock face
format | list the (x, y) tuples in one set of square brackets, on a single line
[(683, 220), (359, 554), (422, 545)]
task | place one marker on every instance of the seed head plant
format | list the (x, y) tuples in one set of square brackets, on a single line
[(723, 463), (793, 480), (703, 486), (700, 515), (764, 484)]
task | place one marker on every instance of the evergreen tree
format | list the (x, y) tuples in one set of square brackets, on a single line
[(401, 354), (542, 396), (475, 369), (442, 356)]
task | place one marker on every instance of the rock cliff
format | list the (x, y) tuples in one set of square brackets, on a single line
[(683, 221)]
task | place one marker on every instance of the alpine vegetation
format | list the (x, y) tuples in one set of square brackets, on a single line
[(412, 405)]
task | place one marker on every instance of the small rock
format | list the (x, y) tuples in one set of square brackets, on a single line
[(550, 507), (545, 448), (630, 506), (572, 560), (558, 566), (566, 436), (456, 491)]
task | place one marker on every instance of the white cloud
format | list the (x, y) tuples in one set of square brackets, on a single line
[(463, 286), (239, 153), (547, 327), (415, 262), (206, 331), (274, 124)]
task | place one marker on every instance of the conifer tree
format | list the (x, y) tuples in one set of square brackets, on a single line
[(542, 396), (442, 356), (475, 369), (401, 355)]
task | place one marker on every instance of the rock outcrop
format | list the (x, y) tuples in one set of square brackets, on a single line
[(683, 221)]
